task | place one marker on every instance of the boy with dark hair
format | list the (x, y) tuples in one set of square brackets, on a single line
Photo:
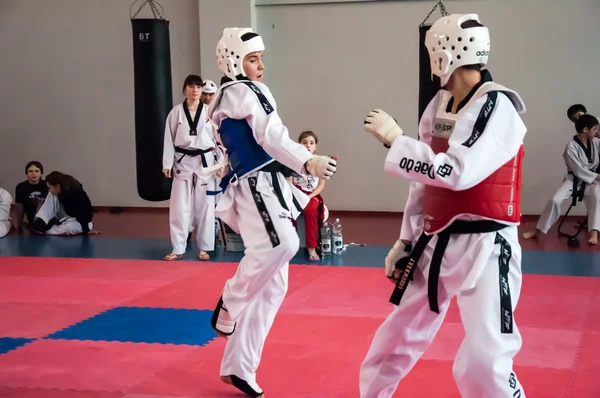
[(30, 194), (581, 157), (575, 111)]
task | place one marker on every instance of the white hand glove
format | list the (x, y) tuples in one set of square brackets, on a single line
[(321, 166), (383, 127), (398, 252)]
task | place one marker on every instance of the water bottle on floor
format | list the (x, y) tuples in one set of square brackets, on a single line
[(326, 235), (338, 241)]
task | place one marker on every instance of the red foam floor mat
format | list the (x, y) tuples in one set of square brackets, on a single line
[(314, 350)]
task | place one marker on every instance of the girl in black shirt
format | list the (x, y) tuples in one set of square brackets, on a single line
[(67, 209)]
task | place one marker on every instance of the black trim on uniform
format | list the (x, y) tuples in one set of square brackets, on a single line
[(275, 168), (588, 151), (457, 227), (408, 267), (486, 77), (264, 213), (482, 120), (506, 313), (192, 122), (244, 387), (264, 102)]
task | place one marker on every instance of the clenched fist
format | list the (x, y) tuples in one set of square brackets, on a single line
[(383, 127)]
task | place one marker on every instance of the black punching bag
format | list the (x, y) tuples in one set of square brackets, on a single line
[(428, 85), (153, 102)]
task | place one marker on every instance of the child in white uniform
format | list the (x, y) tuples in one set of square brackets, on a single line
[(258, 202), (459, 229), (190, 149), (581, 156), (5, 220)]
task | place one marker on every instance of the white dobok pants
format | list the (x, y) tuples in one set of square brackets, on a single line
[(191, 208), (5, 226), (52, 208), (551, 212), (255, 293), (471, 270)]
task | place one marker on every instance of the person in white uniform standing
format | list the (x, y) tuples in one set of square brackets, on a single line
[(5, 220), (459, 229), (258, 202), (190, 151), (582, 158)]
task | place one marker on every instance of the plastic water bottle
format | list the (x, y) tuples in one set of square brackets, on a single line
[(326, 235), (338, 241)]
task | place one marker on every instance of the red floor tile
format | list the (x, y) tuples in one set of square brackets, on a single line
[(85, 365), (38, 320), (70, 290)]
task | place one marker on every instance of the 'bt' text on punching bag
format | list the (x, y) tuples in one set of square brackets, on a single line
[(429, 85), (153, 102)]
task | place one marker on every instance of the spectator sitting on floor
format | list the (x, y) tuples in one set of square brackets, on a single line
[(30, 194), (5, 221), (67, 209)]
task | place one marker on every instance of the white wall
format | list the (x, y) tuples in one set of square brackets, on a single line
[(215, 15), (329, 64), (66, 78), (66, 84)]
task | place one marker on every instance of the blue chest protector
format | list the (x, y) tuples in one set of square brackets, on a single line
[(245, 155)]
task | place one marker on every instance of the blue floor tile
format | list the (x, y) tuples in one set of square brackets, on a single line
[(144, 325), (534, 262), (9, 343)]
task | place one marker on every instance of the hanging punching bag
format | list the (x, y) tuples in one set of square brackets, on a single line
[(153, 102), (429, 84)]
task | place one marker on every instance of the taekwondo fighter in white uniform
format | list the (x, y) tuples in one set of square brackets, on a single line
[(459, 230), (581, 155), (190, 150), (5, 220), (208, 91), (258, 202)]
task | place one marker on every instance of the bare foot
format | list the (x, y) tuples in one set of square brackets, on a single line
[(530, 234), (593, 237), (312, 254)]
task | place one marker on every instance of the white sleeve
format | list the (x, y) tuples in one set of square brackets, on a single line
[(168, 146), (239, 101), (413, 208), (472, 155), (5, 199), (581, 172)]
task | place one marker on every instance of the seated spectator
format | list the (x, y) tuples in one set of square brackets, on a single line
[(5, 221), (314, 210), (67, 209), (30, 194)]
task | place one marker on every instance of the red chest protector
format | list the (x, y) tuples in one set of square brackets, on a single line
[(498, 197)]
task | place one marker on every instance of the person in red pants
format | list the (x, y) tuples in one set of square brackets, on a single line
[(314, 212)]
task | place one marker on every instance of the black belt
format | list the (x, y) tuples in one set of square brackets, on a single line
[(274, 168), (457, 227), (577, 193), (193, 152)]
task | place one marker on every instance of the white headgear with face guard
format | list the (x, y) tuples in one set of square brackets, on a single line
[(231, 50), (450, 46), (209, 87)]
